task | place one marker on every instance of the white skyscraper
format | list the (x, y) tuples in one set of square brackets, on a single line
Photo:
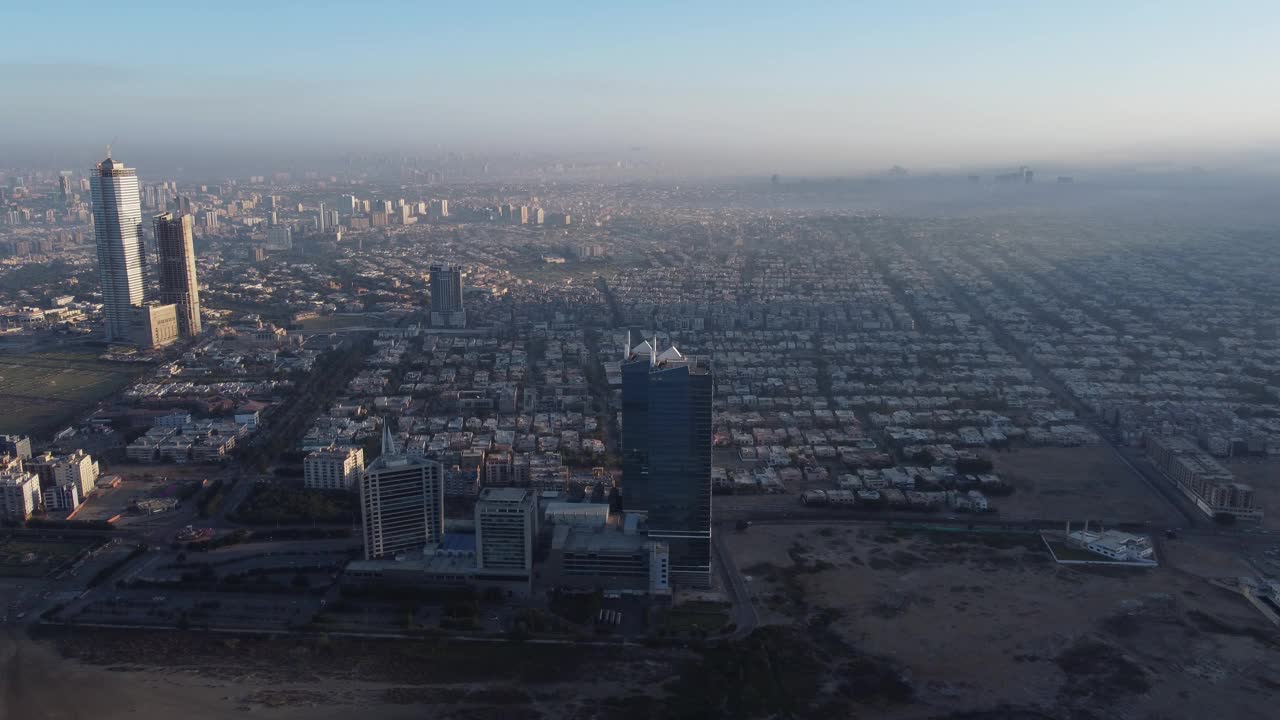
[(117, 230), (402, 502)]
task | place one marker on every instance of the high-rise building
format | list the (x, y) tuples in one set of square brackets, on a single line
[(401, 502), (440, 208), (64, 186), (333, 468), (446, 296), (506, 525), (322, 218), (523, 216), (666, 453), (177, 270), (348, 204), (280, 238), (122, 258)]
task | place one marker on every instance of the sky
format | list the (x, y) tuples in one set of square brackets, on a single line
[(837, 86)]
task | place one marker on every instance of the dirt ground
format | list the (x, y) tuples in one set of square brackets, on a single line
[(160, 675), (1075, 484), (1264, 476), (987, 623)]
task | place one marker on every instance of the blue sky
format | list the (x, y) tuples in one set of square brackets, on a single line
[(838, 83)]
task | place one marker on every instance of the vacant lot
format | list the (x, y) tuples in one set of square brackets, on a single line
[(42, 391), (987, 621), (37, 558), (1088, 483)]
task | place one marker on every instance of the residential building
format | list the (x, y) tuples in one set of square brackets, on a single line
[(177, 270), (122, 259), (333, 468), (18, 446), (19, 494)]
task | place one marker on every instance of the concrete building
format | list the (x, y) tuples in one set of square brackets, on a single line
[(607, 560), (401, 502), (333, 469), (177, 270), (666, 453), (18, 446), (440, 208), (446, 296), (122, 258), (19, 494), (154, 325), (506, 526)]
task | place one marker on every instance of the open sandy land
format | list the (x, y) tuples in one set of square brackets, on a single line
[(987, 623), (160, 676), (1075, 484)]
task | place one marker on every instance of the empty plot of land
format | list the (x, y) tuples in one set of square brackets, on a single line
[(40, 391), (37, 558), (1076, 484), (987, 621)]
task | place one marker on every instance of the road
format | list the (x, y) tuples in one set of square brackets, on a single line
[(744, 614)]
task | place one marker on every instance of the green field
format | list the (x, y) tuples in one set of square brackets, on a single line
[(36, 558), (44, 390)]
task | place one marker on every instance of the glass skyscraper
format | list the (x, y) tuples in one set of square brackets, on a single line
[(117, 231), (666, 454)]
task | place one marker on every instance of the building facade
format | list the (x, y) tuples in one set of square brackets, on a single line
[(666, 443), (122, 259), (506, 526), (154, 324), (177, 270)]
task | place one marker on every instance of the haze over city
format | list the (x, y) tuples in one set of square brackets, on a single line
[(831, 88), (662, 361)]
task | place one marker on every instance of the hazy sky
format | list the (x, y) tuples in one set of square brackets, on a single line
[(843, 84)]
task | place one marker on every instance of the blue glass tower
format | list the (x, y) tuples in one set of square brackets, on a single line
[(666, 454)]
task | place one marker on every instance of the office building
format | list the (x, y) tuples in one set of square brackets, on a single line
[(177, 270), (280, 238), (18, 446), (122, 258), (506, 526), (446, 296), (154, 325), (333, 468), (522, 215), (539, 216), (64, 187), (607, 560), (666, 446), (322, 219), (401, 502), (19, 494), (440, 208)]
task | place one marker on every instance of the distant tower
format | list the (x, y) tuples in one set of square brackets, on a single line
[(446, 296), (117, 231), (177, 270)]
